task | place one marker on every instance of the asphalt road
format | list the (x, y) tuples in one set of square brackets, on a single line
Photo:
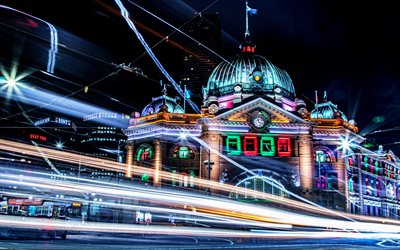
[(84, 242)]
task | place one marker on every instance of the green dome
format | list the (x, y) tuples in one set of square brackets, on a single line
[(327, 110), (254, 73), (158, 102)]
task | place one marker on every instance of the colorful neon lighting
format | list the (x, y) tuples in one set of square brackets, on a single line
[(144, 153), (284, 147), (183, 152), (233, 146), (267, 146), (250, 145), (144, 177)]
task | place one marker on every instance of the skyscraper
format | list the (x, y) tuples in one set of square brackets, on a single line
[(199, 61)]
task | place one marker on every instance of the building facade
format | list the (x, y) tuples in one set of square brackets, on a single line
[(263, 138)]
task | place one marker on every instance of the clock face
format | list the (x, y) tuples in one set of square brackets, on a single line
[(213, 109), (259, 122)]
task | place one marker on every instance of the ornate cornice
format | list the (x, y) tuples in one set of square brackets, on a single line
[(280, 113)]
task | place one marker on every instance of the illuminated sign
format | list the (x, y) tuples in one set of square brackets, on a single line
[(62, 121), (26, 202), (57, 120), (37, 137), (42, 121), (76, 204)]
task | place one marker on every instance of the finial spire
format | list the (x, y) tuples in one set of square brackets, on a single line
[(325, 97), (164, 91)]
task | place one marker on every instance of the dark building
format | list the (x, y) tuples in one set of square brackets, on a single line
[(53, 131), (102, 135), (199, 62)]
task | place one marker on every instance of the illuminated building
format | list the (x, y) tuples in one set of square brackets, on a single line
[(103, 136), (54, 131), (251, 119)]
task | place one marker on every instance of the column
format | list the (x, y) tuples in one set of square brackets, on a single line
[(129, 159), (157, 163), (306, 166), (360, 184), (341, 169), (214, 141)]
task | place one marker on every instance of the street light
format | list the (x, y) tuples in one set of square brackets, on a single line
[(208, 163)]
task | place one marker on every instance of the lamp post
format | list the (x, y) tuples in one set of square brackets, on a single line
[(209, 164)]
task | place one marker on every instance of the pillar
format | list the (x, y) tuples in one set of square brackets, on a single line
[(360, 184), (342, 201), (129, 159), (306, 165), (214, 141), (157, 163)]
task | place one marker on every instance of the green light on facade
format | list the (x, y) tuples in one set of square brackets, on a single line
[(144, 153), (267, 146), (144, 177), (233, 146)]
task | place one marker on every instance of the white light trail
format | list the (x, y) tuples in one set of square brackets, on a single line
[(53, 39), (202, 203), (125, 14)]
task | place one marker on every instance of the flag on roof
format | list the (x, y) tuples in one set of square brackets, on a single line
[(251, 11)]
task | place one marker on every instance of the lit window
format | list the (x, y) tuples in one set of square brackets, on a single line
[(250, 145), (233, 145), (267, 146), (144, 153), (284, 147), (183, 152), (322, 156)]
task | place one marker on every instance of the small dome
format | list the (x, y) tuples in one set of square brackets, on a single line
[(327, 110), (254, 73), (157, 103), (300, 103)]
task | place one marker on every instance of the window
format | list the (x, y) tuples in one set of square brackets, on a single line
[(233, 145), (321, 156), (144, 153), (250, 145), (183, 152), (267, 146), (284, 147)]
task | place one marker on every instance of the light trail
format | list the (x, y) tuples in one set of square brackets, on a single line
[(125, 15), (203, 204), (49, 224), (181, 32), (138, 170), (53, 39)]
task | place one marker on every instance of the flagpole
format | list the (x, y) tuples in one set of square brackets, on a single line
[(247, 20)]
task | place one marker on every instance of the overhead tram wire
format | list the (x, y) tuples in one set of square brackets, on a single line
[(72, 50), (125, 14), (173, 32), (59, 98), (178, 30), (69, 81)]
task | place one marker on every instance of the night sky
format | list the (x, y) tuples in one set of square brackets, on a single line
[(351, 51)]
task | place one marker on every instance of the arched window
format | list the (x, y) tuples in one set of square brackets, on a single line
[(322, 156), (183, 152), (144, 153), (351, 185), (261, 184)]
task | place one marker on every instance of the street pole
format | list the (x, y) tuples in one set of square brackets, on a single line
[(79, 167), (209, 165)]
